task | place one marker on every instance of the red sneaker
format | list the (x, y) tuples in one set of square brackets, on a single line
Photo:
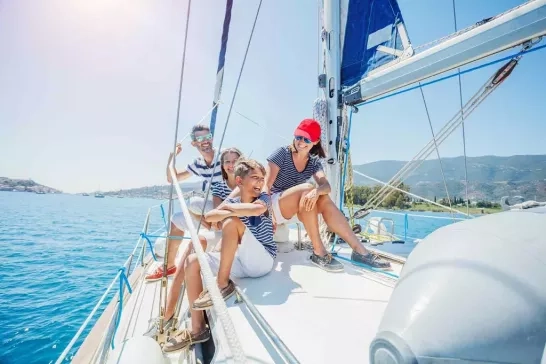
[(157, 274)]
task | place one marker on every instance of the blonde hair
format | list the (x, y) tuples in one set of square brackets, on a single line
[(243, 167), (225, 152)]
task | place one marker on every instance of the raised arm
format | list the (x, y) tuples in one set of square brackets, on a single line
[(180, 176), (271, 172), (227, 209)]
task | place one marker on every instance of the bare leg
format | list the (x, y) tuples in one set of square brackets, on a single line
[(289, 204), (309, 219), (194, 287), (232, 231), (173, 244), (176, 285), (338, 223)]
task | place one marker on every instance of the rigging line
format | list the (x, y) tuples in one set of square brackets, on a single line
[(447, 133), (426, 150), (163, 289), (436, 147), (450, 126), (229, 112), (462, 123), (411, 194), (258, 124), (215, 293), (200, 120)]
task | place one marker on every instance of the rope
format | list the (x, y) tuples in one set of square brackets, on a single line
[(210, 283), (262, 126), (423, 216), (150, 245), (453, 75), (101, 300), (163, 289), (219, 305), (228, 118), (163, 216), (368, 267), (462, 123), (347, 175), (493, 82), (320, 114), (122, 279), (82, 327), (410, 194), (436, 146)]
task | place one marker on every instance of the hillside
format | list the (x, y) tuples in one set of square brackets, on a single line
[(160, 192), (489, 177), (24, 185)]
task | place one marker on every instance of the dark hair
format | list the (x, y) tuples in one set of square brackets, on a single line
[(316, 149), (197, 128), (223, 155), (244, 166)]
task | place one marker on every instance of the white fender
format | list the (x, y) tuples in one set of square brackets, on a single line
[(139, 349)]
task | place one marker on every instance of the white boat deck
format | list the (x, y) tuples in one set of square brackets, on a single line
[(321, 317)]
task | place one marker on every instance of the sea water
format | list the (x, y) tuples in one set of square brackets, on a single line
[(60, 252)]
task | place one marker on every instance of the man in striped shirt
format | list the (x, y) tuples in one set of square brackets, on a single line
[(247, 250), (204, 167)]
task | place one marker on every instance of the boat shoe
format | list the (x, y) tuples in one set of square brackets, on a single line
[(204, 302), (185, 339)]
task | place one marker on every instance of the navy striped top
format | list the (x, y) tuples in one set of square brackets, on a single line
[(221, 189), (200, 168), (288, 175), (260, 226)]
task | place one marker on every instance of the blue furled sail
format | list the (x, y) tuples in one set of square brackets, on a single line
[(372, 35), (221, 62)]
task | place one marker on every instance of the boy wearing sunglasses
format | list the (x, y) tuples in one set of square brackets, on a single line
[(204, 167)]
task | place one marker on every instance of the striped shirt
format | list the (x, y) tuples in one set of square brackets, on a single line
[(260, 226), (200, 168), (221, 189), (288, 175)]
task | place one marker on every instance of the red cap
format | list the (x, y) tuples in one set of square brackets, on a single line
[(308, 128)]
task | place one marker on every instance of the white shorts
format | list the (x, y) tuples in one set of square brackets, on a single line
[(279, 219), (196, 206), (251, 259)]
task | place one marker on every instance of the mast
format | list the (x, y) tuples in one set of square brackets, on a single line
[(221, 62), (331, 46)]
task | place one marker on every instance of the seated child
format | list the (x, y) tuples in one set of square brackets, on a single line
[(247, 250)]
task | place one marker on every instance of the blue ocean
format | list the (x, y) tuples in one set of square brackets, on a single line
[(59, 254)]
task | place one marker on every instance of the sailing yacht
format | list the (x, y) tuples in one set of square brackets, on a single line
[(465, 294)]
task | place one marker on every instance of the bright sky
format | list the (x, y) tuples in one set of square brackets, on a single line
[(88, 89)]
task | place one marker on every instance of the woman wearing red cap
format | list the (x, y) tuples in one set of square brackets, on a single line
[(289, 169)]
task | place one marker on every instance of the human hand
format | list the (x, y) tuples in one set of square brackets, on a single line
[(310, 199), (204, 223), (216, 225), (178, 148)]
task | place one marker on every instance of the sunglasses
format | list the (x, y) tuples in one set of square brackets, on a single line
[(298, 138), (203, 138)]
